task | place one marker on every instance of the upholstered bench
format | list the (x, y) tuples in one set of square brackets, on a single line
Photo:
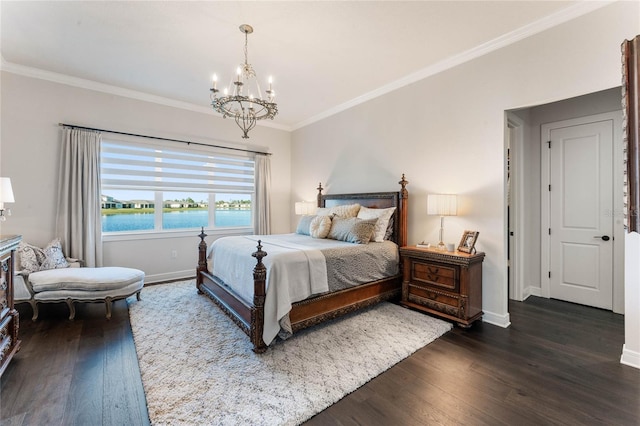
[(71, 285)]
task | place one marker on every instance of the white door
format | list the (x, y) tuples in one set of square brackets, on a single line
[(580, 211)]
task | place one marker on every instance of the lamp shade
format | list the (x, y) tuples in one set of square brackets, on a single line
[(6, 192), (305, 207), (442, 204)]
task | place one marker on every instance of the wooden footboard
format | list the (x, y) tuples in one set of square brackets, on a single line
[(250, 318), (312, 311)]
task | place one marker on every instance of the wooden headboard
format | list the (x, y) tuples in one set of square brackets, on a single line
[(376, 200)]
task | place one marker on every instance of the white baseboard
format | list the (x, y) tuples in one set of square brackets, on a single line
[(630, 358), (503, 321), (170, 276), (532, 291)]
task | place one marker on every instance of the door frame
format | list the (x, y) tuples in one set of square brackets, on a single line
[(617, 211), (515, 211)]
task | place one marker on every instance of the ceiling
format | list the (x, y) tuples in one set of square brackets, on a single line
[(323, 56)]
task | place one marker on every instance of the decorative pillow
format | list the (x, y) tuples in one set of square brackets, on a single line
[(383, 216), (30, 257), (389, 233), (347, 210), (54, 257), (303, 225), (352, 229), (33, 259), (320, 226)]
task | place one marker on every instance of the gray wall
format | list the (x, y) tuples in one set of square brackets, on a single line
[(30, 151), (447, 132)]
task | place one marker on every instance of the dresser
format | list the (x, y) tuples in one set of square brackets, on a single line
[(9, 323), (445, 284)]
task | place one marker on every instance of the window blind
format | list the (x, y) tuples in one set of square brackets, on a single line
[(126, 165)]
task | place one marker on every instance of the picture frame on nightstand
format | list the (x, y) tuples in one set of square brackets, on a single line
[(468, 242)]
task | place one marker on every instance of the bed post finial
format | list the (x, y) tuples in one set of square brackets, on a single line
[(319, 188), (202, 259), (403, 183)]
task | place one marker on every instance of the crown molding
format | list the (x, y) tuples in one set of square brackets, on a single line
[(560, 17), (115, 90), (572, 12)]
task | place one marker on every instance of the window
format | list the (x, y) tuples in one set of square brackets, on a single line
[(156, 188)]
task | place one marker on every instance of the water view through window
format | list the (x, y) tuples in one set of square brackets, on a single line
[(136, 211)]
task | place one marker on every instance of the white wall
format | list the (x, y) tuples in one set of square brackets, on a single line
[(631, 350), (447, 132), (30, 136)]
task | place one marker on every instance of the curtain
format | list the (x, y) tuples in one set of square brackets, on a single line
[(631, 129), (262, 210), (78, 222)]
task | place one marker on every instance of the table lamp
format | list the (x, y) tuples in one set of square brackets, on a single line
[(442, 205), (305, 207), (6, 196)]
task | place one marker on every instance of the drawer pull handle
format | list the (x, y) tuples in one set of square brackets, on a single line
[(434, 270)]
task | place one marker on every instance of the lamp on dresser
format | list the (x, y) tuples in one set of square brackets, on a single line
[(6, 196), (442, 205)]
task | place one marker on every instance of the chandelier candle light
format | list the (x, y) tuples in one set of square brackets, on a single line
[(242, 99), (442, 205)]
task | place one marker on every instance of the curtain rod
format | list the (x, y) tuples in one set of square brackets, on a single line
[(73, 126)]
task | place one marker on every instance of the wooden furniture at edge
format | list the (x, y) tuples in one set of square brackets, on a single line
[(312, 311), (9, 322), (445, 284)]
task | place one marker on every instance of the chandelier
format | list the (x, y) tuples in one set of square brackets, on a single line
[(242, 99)]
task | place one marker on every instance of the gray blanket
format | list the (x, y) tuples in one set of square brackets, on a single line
[(358, 264)]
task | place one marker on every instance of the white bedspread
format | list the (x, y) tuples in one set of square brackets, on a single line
[(296, 270)]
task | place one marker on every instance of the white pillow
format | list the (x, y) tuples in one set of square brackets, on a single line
[(346, 210), (383, 216), (320, 226)]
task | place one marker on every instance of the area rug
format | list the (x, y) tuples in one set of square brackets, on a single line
[(197, 366)]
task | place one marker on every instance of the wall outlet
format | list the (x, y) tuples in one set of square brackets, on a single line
[(174, 254)]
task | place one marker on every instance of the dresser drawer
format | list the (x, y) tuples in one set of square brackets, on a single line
[(434, 275), (4, 284), (6, 332)]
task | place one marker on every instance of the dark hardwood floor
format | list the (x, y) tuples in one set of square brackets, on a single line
[(81, 372), (558, 363)]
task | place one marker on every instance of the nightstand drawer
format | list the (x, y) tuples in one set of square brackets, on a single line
[(437, 296), (433, 274)]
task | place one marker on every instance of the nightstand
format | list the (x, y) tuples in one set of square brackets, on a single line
[(446, 284)]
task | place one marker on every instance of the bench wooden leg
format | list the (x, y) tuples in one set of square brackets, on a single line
[(72, 309), (34, 307), (107, 302), (138, 296)]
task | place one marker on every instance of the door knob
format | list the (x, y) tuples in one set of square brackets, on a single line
[(604, 238)]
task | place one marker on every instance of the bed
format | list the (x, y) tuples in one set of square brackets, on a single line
[(253, 311)]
